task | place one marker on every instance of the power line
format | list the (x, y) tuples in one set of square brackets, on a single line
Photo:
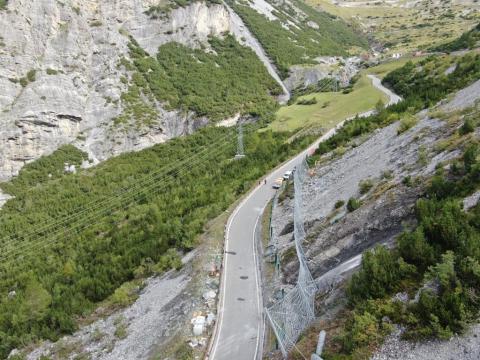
[(50, 238), (95, 204), (130, 194), (219, 146), (108, 205)]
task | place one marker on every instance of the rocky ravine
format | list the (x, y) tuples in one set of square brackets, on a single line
[(59, 79)]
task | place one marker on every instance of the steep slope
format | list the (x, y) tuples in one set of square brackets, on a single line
[(362, 191), (66, 78), (293, 33), (467, 40), (60, 81)]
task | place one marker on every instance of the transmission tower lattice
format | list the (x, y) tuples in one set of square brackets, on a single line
[(240, 149)]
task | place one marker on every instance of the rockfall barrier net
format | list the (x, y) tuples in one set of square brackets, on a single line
[(290, 316)]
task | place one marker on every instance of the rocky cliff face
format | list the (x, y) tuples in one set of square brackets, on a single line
[(60, 81)]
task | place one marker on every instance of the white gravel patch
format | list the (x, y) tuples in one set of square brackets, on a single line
[(4, 198), (384, 150), (466, 347), (146, 319), (149, 321), (471, 201), (464, 98), (264, 8)]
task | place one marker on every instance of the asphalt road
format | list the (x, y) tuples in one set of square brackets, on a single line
[(240, 316), (240, 327)]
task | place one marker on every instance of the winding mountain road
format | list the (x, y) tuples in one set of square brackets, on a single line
[(240, 327)]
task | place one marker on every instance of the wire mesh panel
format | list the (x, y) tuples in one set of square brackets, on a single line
[(296, 310)]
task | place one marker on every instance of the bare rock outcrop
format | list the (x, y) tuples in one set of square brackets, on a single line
[(60, 79)]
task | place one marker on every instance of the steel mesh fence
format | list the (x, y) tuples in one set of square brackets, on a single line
[(290, 316)]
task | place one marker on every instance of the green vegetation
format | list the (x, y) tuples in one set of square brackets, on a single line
[(217, 86), (406, 122), (407, 29), (439, 261), (467, 127), (299, 43), (340, 106), (96, 23), (74, 267), (365, 186), (31, 75), (45, 169), (421, 86), (468, 40), (353, 204), (52, 71), (27, 79), (311, 101), (3, 4), (384, 68), (428, 79)]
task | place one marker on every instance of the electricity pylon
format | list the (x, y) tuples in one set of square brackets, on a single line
[(240, 150)]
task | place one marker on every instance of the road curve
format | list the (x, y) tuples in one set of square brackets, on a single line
[(392, 97), (239, 332)]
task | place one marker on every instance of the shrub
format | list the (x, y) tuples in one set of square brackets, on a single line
[(170, 260), (362, 330), (379, 275), (387, 175), (96, 23), (121, 330), (353, 204), (467, 127), (407, 181), (311, 101), (365, 186), (470, 156), (407, 122), (31, 75), (414, 248), (339, 204), (124, 295), (24, 81)]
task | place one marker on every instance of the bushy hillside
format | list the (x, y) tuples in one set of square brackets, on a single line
[(468, 40), (438, 260), (294, 33), (70, 240), (433, 78), (435, 262), (226, 80)]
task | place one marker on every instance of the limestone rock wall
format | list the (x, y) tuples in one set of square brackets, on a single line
[(60, 81)]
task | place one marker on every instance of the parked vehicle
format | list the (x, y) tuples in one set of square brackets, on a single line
[(288, 175), (278, 183)]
